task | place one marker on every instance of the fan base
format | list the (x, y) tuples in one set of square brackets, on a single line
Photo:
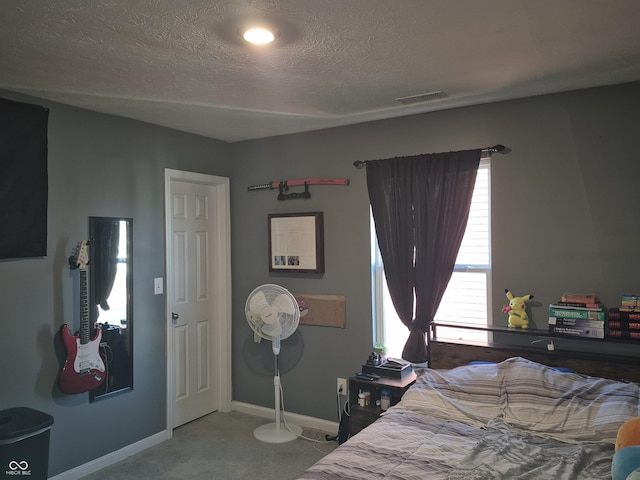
[(270, 433)]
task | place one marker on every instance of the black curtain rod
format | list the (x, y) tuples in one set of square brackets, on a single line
[(489, 150)]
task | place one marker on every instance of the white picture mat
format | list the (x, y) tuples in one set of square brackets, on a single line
[(293, 243)]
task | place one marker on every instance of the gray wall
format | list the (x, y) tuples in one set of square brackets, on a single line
[(99, 165), (564, 218)]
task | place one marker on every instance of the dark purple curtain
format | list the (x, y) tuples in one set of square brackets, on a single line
[(104, 260), (420, 207)]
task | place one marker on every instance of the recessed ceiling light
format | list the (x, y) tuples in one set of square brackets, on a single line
[(258, 36)]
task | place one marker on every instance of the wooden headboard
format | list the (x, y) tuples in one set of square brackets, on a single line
[(450, 354)]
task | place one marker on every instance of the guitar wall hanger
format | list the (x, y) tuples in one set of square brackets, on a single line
[(283, 186)]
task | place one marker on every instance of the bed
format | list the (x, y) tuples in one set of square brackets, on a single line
[(496, 416)]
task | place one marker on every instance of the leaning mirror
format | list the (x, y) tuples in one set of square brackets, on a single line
[(110, 300)]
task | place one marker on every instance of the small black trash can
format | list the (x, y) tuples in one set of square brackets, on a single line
[(24, 443)]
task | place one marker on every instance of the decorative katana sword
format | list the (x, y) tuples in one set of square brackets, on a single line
[(284, 185)]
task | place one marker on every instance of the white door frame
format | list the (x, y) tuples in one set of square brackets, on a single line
[(221, 279)]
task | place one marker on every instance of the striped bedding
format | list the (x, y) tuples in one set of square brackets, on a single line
[(512, 420)]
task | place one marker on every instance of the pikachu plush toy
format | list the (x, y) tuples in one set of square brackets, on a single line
[(517, 310)]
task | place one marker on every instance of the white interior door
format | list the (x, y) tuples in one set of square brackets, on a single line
[(198, 295)]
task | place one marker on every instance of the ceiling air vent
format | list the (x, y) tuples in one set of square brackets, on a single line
[(421, 97)]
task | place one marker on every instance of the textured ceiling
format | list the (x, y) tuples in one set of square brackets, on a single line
[(182, 63)]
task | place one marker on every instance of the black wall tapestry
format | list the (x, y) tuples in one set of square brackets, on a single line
[(23, 180)]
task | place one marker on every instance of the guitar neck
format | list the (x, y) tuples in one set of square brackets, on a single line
[(84, 308)]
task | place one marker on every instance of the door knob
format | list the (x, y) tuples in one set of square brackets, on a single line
[(174, 316)]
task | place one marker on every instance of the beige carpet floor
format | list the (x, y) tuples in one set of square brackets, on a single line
[(221, 446)]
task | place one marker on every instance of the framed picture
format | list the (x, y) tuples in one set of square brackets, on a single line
[(296, 242)]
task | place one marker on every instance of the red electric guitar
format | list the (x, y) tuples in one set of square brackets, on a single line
[(83, 369)]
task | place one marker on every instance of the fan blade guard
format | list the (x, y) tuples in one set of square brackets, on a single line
[(272, 311)]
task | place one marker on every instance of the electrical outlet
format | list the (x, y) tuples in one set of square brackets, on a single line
[(342, 386)]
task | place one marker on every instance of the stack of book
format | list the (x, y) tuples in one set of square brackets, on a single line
[(624, 321), (577, 315), (630, 301)]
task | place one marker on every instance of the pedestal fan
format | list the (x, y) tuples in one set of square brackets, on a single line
[(273, 314)]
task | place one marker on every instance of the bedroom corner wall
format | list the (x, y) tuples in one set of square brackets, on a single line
[(564, 217)]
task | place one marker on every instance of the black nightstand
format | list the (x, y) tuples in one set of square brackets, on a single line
[(361, 417)]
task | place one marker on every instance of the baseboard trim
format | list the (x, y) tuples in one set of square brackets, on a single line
[(113, 457), (125, 452), (302, 420)]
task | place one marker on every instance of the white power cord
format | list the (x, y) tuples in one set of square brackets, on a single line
[(550, 346), (284, 420)]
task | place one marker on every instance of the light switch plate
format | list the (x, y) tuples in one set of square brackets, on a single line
[(158, 287)]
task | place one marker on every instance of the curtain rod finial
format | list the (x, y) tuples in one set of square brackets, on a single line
[(498, 148)]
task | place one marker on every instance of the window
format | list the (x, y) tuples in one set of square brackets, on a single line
[(467, 298)]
